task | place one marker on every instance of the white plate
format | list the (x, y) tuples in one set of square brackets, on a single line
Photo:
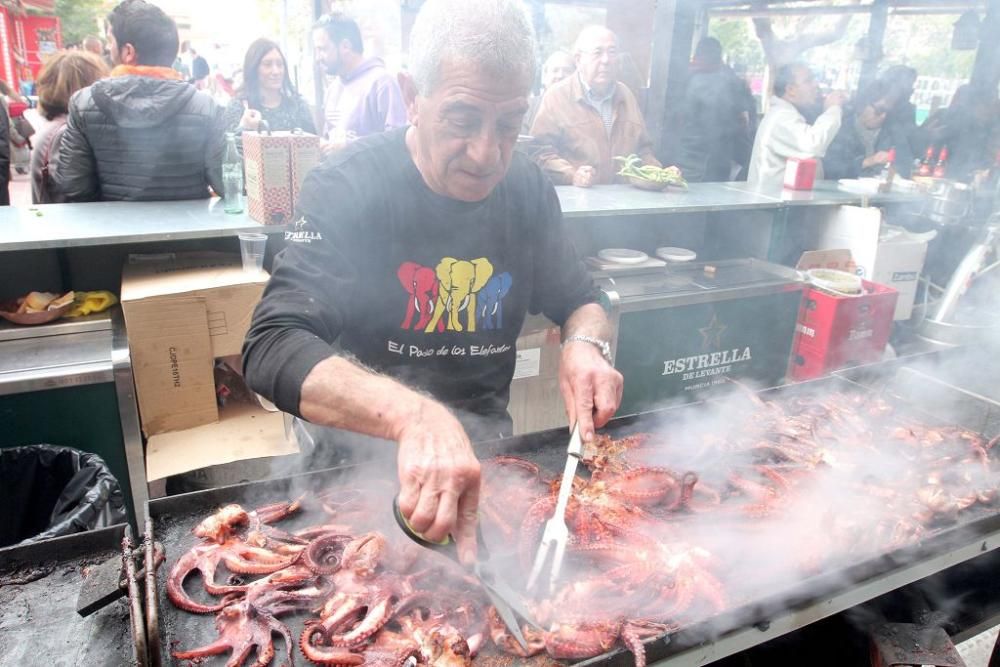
[(623, 256), (676, 254)]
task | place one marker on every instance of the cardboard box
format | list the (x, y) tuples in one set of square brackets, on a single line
[(276, 165), (305, 154), (183, 311), (882, 254), (242, 432), (834, 332), (536, 402)]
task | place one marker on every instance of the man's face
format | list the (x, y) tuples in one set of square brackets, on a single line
[(805, 91), (557, 68), (327, 53), (113, 48), (872, 117), (597, 60), (465, 131)]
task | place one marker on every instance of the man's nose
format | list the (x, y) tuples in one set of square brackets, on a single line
[(484, 150)]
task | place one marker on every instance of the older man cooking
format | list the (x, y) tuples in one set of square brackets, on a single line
[(418, 253)]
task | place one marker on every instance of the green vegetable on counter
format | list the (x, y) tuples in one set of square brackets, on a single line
[(632, 167)]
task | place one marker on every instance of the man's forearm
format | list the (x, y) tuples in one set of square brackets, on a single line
[(340, 393), (588, 320)]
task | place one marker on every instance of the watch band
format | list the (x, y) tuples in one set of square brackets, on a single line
[(602, 345)]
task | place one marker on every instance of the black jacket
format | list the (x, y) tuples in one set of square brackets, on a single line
[(137, 138), (717, 127), (846, 154)]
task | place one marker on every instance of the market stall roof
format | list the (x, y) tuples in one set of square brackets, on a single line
[(802, 7)]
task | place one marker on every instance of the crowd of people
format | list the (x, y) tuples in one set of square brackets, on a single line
[(135, 119)]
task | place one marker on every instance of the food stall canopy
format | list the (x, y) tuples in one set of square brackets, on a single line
[(40, 5)]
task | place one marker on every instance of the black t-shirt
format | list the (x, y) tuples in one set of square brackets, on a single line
[(427, 289)]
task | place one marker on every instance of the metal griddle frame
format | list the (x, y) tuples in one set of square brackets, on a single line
[(734, 631)]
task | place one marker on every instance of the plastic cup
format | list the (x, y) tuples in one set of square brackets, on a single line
[(252, 251)]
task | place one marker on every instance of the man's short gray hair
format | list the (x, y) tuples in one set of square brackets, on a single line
[(495, 36)]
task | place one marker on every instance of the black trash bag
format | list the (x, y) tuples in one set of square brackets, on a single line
[(48, 491)]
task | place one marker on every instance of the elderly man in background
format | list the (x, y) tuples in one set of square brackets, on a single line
[(363, 97), (785, 133), (586, 120), (444, 227), (557, 67)]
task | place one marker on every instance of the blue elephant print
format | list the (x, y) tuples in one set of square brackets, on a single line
[(490, 311)]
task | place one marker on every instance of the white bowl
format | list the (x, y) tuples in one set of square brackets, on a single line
[(671, 254)]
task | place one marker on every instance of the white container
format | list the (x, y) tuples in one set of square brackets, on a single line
[(836, 281)]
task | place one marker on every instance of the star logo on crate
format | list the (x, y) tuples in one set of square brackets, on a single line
[(711, 336)]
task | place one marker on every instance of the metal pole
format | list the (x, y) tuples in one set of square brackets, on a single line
[(876, 39), (673, 31)]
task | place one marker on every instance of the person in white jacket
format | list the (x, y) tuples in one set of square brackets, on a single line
[(784, 132)]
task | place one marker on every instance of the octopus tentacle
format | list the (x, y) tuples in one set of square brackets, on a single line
[(243, 629), (203, 559), (324, 554), (245, 559)]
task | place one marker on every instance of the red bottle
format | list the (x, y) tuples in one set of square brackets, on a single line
[(939, 168), (926, 168)]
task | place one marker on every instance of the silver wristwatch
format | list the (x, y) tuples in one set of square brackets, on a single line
[(602, 345)]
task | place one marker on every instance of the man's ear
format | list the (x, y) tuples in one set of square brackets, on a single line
[(127, 55), (409, 89)]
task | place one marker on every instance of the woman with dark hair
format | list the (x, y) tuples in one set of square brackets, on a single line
[(267, 94)]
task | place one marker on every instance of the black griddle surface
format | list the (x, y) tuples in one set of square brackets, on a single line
[(174, 517), (38, 620)]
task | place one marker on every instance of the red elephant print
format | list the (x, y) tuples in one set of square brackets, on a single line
[(421, 284)]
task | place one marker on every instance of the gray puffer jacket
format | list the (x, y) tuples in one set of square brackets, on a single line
[(137, 138)]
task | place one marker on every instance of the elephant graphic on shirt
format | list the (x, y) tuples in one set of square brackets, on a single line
[(459, 281), (421, 284), (491, 301)]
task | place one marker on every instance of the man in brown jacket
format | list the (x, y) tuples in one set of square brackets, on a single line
[(587, 119)]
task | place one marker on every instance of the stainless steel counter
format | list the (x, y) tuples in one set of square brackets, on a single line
[(75, 352), (620, 200), (108, 223), (825, 193)]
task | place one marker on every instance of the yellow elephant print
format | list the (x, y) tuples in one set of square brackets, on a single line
[(459, 282)]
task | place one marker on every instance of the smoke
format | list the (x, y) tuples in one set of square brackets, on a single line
[(861, 473)]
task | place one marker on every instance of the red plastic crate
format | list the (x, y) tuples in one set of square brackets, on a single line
[(834, 332)]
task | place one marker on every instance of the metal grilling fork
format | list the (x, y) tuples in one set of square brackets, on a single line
[(556, 534)]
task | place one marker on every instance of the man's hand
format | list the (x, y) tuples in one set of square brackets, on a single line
[(882, 157), (835, 99), (591, 387), (439, 478), (584, 176)]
